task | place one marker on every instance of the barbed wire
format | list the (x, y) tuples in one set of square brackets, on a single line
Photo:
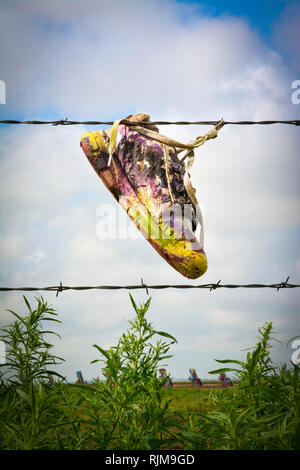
[(211, 286), (67, 122)]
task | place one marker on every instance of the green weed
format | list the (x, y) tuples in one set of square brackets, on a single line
[(133, 414), (28, 404), (130, 409)]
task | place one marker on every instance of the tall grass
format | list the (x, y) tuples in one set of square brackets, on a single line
[(127, 411), (131, 409), (262, 412), (28, 409)]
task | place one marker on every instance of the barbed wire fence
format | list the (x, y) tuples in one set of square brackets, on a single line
[(67, 122), (210, 286)]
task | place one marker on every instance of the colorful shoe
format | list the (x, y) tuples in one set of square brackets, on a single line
[(140, 167)]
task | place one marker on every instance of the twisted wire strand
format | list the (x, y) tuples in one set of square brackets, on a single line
[(67, 122), (209, 286)]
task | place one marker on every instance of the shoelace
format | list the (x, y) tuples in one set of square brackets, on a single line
[(200, 140)]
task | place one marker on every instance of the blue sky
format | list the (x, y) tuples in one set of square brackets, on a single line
[(173, 60), (260, 14)]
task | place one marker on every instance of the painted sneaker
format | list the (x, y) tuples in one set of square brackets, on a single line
[(141, 169)]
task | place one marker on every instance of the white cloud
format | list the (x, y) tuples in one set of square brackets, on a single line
[(13, 245), (36, 257)]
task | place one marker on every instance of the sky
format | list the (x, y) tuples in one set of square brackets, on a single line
[(175, 60)]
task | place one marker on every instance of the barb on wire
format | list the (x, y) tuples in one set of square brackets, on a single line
[(66, 122), (59, 289), (215, 286), (283, 284), (210, 287), (144, 285), (61, 122)]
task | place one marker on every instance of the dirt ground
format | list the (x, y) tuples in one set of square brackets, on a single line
[(187, 385)]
